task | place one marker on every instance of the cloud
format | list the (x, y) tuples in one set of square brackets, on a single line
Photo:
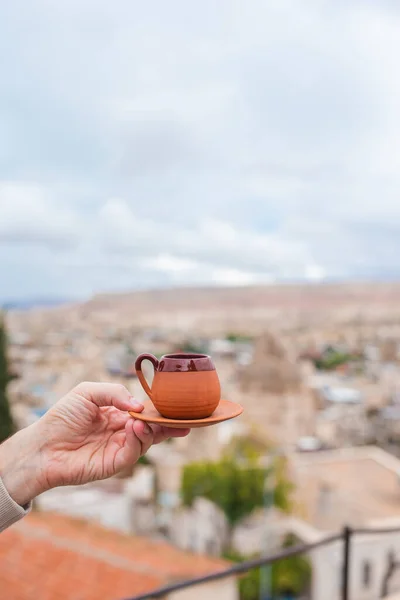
[(213, 242), (29, 216), (153, 143)]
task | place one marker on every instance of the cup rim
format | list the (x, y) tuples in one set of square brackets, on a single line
[(183, 356)]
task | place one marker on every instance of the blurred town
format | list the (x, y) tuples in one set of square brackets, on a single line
[(317, 370)]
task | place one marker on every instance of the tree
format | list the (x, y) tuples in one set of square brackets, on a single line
[(6, 422), (237, 337), (290, 577), (248, 447), (236, 485)]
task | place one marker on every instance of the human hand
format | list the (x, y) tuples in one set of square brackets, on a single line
[(86, 436)]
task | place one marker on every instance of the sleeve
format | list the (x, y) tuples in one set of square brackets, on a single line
[(10, 511)]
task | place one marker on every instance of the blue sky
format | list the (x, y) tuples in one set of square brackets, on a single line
[(160, 143)]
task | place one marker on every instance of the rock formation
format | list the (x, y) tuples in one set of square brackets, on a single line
[(274, 395)]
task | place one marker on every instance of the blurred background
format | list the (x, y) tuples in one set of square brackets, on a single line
[(218, 177)]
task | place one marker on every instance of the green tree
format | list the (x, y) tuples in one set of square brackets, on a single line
[(248, 447), (236, 486), (6, 422), (237, 337), (289, 576), (333, 359)]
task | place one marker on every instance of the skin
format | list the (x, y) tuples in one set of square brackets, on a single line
[(86, 436)]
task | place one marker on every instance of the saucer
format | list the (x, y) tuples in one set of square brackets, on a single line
[(224, 411)]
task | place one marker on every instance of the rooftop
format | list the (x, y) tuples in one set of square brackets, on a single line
[(353, 485), (57, 558)]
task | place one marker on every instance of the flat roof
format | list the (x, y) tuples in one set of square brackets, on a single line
[(334, 488)]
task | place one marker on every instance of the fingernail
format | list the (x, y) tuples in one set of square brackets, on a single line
[(135, 403), (146, 429)]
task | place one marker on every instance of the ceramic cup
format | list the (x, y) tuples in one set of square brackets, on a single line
[(185, 386)]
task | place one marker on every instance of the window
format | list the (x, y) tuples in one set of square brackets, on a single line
[(366, 574), (193, 541), (211, 547)]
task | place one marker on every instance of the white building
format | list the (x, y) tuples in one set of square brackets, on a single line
[(370, 555), (359, 487), (202, 528)]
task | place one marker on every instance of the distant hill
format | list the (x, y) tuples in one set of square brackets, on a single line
[(302, 297), (29, 303), (233, 308), (217, 310), (253, 308)]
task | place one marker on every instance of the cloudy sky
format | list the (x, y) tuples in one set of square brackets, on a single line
[(154, 143)]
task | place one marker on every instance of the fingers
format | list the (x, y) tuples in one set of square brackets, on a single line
[(140, 436), (145, 435), (132, 447), (116, 418), (154, 434), (162, 433), (108, 394)]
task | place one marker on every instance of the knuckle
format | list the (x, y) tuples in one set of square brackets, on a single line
[(82, 386), (119, 387)]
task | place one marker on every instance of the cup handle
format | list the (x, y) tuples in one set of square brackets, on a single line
[(139, 372)]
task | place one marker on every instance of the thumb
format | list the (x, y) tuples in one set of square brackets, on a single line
[(108, 394)]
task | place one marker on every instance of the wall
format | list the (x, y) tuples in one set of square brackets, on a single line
[(260, 532), (202, 528), (226, 589), (327, 560), (327, 565)]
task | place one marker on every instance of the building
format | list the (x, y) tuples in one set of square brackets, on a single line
[(359, 487), (343, 424), (201, 528), (370, 559), (53, 557), (346, 486)]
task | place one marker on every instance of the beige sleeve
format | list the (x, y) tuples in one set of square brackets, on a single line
[(10, 511)]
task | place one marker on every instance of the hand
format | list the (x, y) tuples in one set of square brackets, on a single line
[(88, 435)]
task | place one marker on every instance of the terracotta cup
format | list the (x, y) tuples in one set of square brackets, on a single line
[(185, 386)]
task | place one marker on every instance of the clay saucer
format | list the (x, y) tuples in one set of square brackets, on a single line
[(224, 411)]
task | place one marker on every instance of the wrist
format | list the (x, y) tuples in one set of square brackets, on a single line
[(20, 465)]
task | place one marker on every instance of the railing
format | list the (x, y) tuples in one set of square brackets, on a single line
[(346, 536)]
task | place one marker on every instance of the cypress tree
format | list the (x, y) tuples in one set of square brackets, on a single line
[(6, 423)]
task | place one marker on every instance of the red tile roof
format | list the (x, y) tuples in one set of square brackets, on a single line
[(51, 557)]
